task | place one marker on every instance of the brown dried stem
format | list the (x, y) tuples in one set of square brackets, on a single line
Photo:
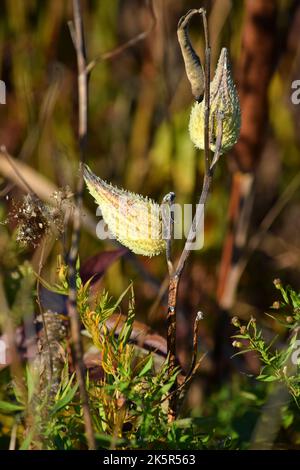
[(77, 348), (209, 169), (176, 276), (41, 262)]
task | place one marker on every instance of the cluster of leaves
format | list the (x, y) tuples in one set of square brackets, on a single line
[(128, 396), (38, 423), (280, 358), (129, 402)]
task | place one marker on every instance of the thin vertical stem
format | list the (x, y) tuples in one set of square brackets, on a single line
[(41, 262), (171, 341), (206, 93), (175, 277), (77, 348), (168, 225), (209, 170)]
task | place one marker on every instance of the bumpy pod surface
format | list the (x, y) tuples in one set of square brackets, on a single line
[(134, 220), (223, 99)]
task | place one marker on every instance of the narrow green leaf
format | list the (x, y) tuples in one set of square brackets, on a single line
[(7, 407), (64, 401), (267, 378), (26, 443), (147, 367)]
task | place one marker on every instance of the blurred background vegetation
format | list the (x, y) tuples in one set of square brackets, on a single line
[(139, 105)]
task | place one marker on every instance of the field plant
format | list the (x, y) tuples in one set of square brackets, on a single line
[(280, 360), (128, 388)]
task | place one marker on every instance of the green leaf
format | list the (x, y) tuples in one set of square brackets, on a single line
[(147, 367), (267, 378), (65, 400), (52, 288), (243, 351), (287, 418), (106, 440), (272, 342), (165, 388), (7, 407), (248, 395), (127, 328), (105, 308), (284, 295), (295, 298), (26, 443)]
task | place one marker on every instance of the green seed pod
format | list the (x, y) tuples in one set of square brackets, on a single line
[(134, 220), (193, 67), (223, 99)]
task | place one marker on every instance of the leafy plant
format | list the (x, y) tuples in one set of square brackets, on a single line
[(280, 360)]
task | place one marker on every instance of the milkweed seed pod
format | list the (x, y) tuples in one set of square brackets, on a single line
[(134, 220), (223, 99), (192, 62)]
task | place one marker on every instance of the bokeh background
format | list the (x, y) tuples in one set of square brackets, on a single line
[(139, 105)]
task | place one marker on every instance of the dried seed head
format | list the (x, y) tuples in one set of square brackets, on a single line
[(34, 219), (223, 99), (134, 220)]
